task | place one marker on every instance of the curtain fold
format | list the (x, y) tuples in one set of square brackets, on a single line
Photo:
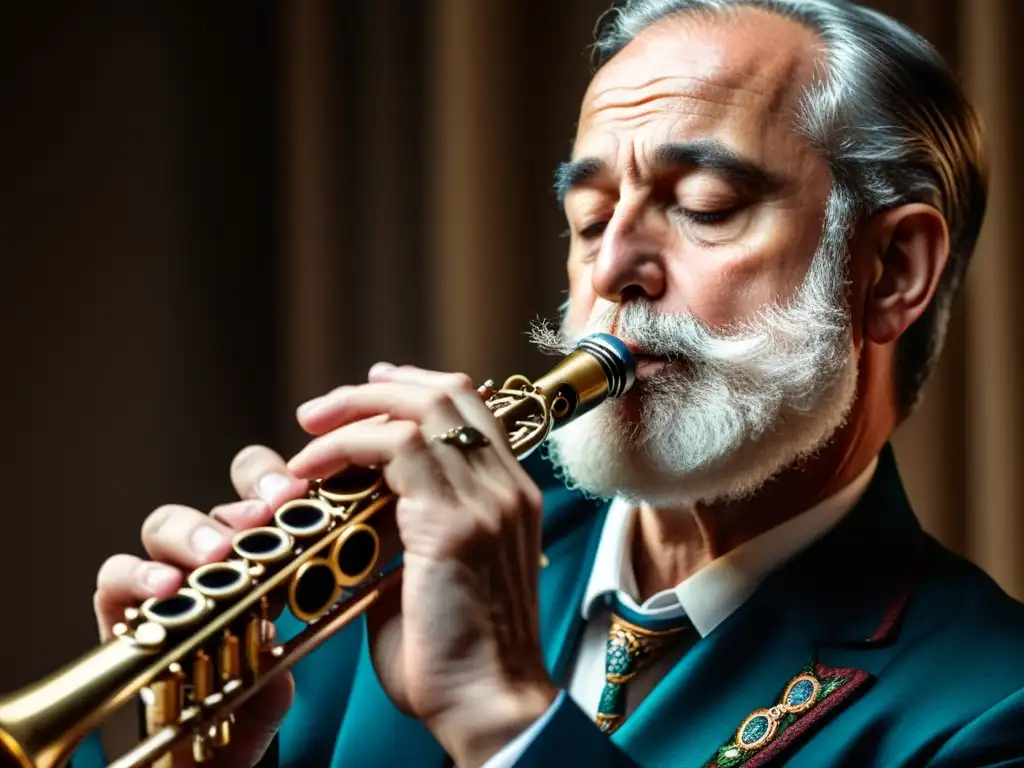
[(482, 252), (309, 336)]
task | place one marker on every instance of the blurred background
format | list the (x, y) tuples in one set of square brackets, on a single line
[(213, 211)]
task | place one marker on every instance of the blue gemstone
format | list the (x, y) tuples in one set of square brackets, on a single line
[(755, 729), (800, 693)]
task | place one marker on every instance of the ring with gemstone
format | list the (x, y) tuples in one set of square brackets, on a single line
[(463, 437)]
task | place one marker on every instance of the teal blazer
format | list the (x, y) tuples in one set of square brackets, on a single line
[(875, 647)]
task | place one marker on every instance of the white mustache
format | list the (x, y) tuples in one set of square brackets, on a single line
[(683, 336)]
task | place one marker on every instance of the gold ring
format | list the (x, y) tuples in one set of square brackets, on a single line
[(463, 437)]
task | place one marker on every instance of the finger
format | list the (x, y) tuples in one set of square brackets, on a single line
[(375, 444), (458, 386), (314, 419), (242, 515), (523, 550), (310, 407), (397, 400), (413, 374), (470, 470), (511, 506), (185, 537), (124, 581), (260, 473), (381, 371)]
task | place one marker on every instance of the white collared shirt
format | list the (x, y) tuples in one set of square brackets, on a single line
[(707, 597)]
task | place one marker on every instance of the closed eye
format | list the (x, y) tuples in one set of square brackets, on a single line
[(708, 217), (594, 230)]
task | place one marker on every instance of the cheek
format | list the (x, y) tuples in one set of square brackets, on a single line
[(729, 284), (727, 291)]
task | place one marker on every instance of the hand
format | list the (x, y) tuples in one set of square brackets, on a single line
[(463, 655), (181, 539)]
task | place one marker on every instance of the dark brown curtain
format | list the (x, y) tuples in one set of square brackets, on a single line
[(213, 211)]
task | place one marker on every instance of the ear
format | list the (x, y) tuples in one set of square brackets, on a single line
[(911, 247)]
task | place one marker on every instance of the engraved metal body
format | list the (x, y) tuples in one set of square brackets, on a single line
[(196, 656)]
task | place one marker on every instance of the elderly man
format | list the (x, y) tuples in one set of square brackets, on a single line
[(773, 203)]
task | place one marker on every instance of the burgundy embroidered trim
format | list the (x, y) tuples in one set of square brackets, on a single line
[(857, 679)]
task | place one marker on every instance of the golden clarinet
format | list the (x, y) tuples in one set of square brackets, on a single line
[(196, 656)]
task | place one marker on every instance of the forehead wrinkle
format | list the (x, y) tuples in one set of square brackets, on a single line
[(708, 100), (695, 96), (672, 96), (635, 94), (675, 103), (675, 106), (714, 61)]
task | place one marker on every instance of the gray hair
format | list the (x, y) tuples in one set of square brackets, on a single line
[(889, 117)]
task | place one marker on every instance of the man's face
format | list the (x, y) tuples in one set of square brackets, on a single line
[(695, 211)]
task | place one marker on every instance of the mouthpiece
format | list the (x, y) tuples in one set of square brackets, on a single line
[(615, 358)]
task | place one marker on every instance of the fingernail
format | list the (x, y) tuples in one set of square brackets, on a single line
[(309, 406), (271, 488), (157, 579), (379, 368), (204, 540)]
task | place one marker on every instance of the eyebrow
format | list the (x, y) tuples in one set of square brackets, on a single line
[(710, 155)]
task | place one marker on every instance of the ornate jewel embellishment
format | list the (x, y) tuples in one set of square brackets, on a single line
[(763, 726), (760, 726)]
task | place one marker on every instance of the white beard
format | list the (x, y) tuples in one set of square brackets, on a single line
[(746, 404)]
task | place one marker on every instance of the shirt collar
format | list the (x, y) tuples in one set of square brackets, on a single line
[(714, 592)]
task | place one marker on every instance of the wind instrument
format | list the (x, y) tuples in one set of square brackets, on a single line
[(195, 656)]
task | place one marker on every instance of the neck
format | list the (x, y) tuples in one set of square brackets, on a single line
[(670, 545)]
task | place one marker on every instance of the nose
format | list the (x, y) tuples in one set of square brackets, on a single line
[(630, 263)]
